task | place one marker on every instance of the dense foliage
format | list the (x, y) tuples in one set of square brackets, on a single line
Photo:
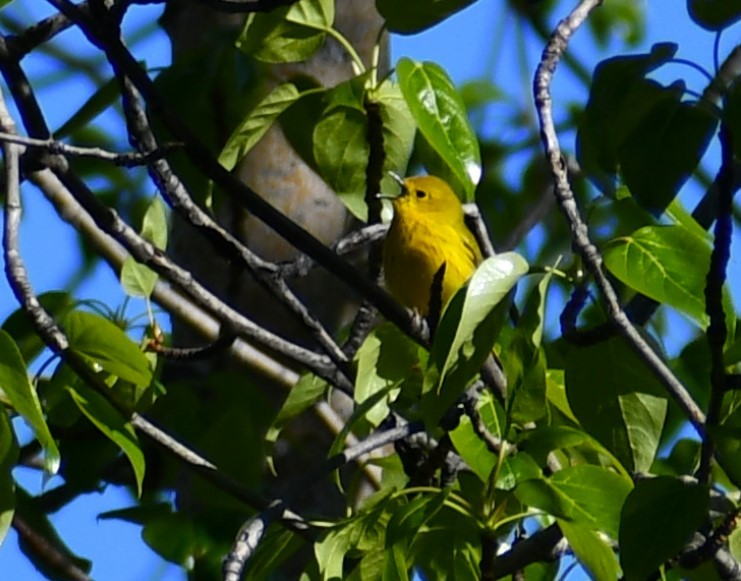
[(605, 429)]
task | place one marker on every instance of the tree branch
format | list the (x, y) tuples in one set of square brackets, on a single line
[(580, 238)]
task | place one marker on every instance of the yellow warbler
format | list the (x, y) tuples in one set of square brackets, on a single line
[(426, 233)]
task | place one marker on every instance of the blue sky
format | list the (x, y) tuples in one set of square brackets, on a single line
[(461, 46)]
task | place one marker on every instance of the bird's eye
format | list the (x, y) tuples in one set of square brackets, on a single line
[(421, 194)]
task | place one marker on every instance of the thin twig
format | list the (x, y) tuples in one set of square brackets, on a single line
[(580, 238), (253, 530), (717, 331), (130, 159), (264, 272)]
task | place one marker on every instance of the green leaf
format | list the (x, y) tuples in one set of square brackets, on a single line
[(398, 130), (308, 390), (22, 396), (714, 15), (101, 341), (596, 556), (467, 331), (658, 519), (288, 33), (471, 448), (386, 357), (176, 537), (544, 439), (584, 494), (619, 97), (20, 328), (364, 532), (112, 424), (665, 263), (8, 460), (525, 367), (137, 280), (406, 522), (414, 16), (617, 400), (154, 224), (257, 122), (659, 156), (341, 150), (440, 114)]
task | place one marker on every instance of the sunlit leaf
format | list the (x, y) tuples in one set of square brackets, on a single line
[(597, 557), (584, 494), (467, 332), (441, 117), (666, 263), (288, 33), (15, 384)]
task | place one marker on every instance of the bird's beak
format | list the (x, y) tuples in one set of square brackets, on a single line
[(399, 180)]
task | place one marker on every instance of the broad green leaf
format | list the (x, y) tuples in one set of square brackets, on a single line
[(38, 553), (386, 357), (341, 151), (398, 130), (154, 224), (666, 263), (660, 155), (584, 494), (533, 316), (288, 33), (545, 439), (414, 16), (596, 556), (658, 519), (112, 424), (365, 532), (727, 439), (617, 400), (8, 460), (101, 341), (619, 97), (19, 327), (441, 117), (448, 547), (406, 522), (714, 15), (177, 537), (525, 368), (467, 332), (15, 384), (137, 280), (308, 390), (257, 122)]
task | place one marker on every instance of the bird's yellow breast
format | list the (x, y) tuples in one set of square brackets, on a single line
[(416, 248)]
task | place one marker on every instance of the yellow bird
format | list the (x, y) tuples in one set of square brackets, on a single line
[(427, 232)]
